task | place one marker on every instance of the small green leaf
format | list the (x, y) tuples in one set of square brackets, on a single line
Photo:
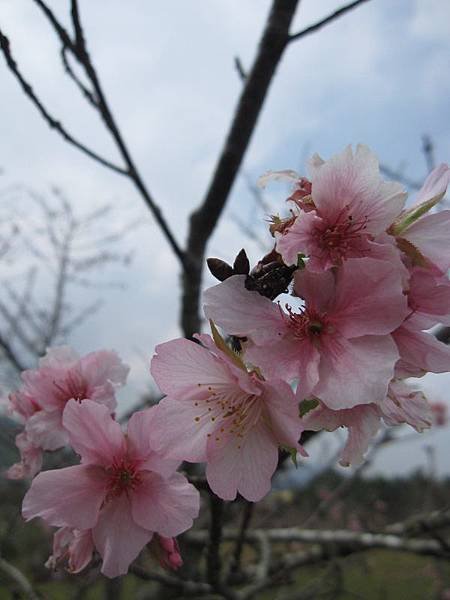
[(222, 345), (307, 405), (300, 262), (292, 453), (410, 216)]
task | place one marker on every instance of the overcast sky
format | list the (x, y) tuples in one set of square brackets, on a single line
[(380, 76)]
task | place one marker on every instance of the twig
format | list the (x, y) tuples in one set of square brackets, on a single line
[(185, 586), (19, 578), (319, 24), (246, 518), (51, 121), (214, 563)]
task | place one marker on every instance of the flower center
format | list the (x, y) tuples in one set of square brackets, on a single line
[(234, 410), (123, 476), (305, 324), (73, 386), (344, 238)]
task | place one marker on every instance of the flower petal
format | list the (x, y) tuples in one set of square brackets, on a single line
[(66, 497), (167, 506), (117, 537), (355, 371), (243, 312), (93, 433)]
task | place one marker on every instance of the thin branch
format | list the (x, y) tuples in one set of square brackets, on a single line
[(19, 579), (185, 586), (397, 176), (214, 565), (83, 56), (51, 121), (245, 523), (428, 152), (319, 24)]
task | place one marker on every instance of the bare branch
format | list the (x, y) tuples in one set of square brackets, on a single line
[(335, 15), (185, 586), (428, 152), (397, 176), (51, 121), (19, 579)]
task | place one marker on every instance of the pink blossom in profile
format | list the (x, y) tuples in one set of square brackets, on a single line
[(352, 207), (362, 423), (429, 234), (41, 400), (439, 411), (402, 405), (123, 491), (73, 548), (217, 412), (337, 345), (31, 459)]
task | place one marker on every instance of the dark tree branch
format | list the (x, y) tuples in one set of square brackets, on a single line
[(51, 121), (214, 563), (335, 15), (239, 546), (203, 221)]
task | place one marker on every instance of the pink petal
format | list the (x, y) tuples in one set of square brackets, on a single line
[(430, 235), (317, 289), (141, 445), (247, 469), (59, 357), (102, 366), (354, 180), (93, 434), (286, 175), (242, 312), (167, 506), (45, 429), (177, 435), (283, 413), (68, 497), (369, 298), (180, 365), (422, 350), (429, 294), (300, 238), (435, 184), (355, 371), (118, 539), (31, 459)]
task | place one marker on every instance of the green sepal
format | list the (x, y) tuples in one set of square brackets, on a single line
[(410, 216), (223, 346), (307, 405), (300, 262), (292, 453)]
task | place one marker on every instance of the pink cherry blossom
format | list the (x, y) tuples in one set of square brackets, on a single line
[(122, 492), (61, 376), (352, 207), (217, 412), (402, 404), (361, 421), (337, 345)]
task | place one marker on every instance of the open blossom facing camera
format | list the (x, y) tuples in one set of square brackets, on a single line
[(62, 375), (349, 207), (218, 412), (122, 493)]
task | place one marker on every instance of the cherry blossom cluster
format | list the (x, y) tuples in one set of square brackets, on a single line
[(124, 494), (324, 332), (366, 278)]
